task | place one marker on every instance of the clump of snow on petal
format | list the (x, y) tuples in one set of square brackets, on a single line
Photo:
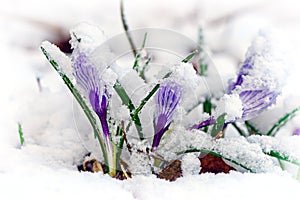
[(231, 105), (267, 64), (185, 74), (86, 37)]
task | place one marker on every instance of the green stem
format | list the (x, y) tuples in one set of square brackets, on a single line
[(281, 122), (189, 57), (126, 28), (241, 132), (252, 129), (283, 157), (127, 101), (281, 164), (146, 99), (22, 140)]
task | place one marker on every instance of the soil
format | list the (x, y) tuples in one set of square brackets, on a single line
[(214, 164), (172, 171)]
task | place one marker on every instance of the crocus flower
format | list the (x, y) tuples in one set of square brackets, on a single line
[(258, 83), (296, 132), (254, 100), (167, 99), (89, 79)]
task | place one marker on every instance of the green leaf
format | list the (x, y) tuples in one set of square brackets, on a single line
[(124, 96), (120, 145), (136, 64), (203, 67), (282, 121), (146, 99), (81, 102), (207, 107), (241, 132), (281, 156), (127, 101), (126, 29), (22, 140), (190, 56), (252, 129), (218, 126), (215, 154)]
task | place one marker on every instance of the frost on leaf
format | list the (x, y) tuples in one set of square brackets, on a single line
[(285, 146), (248, 156), (63, 62)]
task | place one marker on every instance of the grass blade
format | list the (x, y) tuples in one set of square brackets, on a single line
[(127, 101), (252, 129), (189, 57), (126, 29), (241, 132), (146, 99), (281, 156), (282, 121), (20, 130)]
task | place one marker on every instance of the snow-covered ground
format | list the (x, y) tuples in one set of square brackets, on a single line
[(45, 167)]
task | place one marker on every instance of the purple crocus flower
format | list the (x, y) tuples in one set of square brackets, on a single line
[(167, 99), (88, 78), (258, 83), (254, 100), (297, 132)]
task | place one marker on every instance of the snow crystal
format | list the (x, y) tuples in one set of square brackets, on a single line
[(190, 164), (231, 105)]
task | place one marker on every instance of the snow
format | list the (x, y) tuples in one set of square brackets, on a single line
[(288, 146), (45, 167), (190, 164), (231, 105)]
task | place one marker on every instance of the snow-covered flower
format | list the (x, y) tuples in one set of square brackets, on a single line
[(257, 86), (258, 83), (94, 89), (168, 97)]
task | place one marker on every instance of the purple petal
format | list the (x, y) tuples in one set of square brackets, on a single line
[(243, 72), (88, 78), (255, 102), (296, 132), (167, 99), (161, 123), (205, 123)]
